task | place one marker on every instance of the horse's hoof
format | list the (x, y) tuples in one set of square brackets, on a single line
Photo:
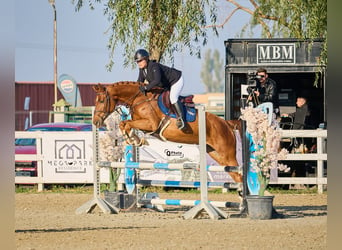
[(144, 142), (129, 141)]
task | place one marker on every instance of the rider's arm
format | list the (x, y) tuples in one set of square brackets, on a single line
[(141, 77), (155, 73)]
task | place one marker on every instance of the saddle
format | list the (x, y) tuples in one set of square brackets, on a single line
[(186, 103)]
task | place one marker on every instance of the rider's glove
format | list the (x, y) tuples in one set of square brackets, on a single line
[(143, 89)]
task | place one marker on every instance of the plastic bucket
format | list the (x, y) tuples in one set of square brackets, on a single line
[(260, 207)]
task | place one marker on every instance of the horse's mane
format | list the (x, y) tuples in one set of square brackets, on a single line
[(127, 83), (156, 90)]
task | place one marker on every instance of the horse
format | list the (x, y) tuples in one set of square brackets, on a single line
[(147, 117)]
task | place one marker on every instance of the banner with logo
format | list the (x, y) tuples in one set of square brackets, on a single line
[(68, 158), (69, 89), (172, 152)]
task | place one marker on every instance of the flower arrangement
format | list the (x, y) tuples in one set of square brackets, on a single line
[(266, 139), (111, 149)]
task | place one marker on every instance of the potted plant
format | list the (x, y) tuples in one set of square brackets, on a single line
[(265, 152)]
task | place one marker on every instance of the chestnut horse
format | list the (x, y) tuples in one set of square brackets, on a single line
[(147, 117)]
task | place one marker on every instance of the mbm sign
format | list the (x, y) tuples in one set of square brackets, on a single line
[(278, 53)]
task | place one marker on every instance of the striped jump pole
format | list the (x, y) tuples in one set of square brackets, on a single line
[(130, 165), (87, 207), (204, 204), (190, 203), (184, 184), (164, 166)]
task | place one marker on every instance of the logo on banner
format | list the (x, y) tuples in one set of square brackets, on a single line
[(70, 157), (173, 153), (67, 86), (69, 89), (276, 53)]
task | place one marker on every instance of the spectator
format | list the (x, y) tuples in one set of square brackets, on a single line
[(300, 118)]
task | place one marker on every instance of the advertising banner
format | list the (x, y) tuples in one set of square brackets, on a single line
[(69, 89), (68, 158), (170, 152)]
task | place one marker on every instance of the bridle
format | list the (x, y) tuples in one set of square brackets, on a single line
[(106, 103)]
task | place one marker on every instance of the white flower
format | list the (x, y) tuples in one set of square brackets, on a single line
[(267, 142), (110, 143)]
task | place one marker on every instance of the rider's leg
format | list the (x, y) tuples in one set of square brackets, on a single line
[(174, 93), (179, 113)]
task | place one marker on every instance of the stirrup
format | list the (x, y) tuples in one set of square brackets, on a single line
[(180, 123)]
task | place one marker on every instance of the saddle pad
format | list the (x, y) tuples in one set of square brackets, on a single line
[(189, 112)]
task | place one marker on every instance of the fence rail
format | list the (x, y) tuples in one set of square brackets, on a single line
[(320, 157), (38, 157)]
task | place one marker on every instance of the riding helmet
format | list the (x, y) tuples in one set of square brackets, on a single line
[(141, 54)]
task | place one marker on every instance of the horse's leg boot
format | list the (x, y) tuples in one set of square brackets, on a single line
[(179, 113)]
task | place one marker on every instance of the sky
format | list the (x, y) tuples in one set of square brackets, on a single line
[(81, 45)]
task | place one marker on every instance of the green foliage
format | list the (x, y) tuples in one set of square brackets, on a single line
[(25, 188), (55, 188), (160, 26), (114, 175), (304, 19), (212, 73)]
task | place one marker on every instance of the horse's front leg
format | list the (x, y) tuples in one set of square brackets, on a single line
[(127, 129), (128, 134)]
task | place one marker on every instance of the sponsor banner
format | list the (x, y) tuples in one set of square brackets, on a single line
[(171, 152), (168, 152), (68, 158), (69, 89)]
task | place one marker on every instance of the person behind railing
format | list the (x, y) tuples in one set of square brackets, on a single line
[(300, 119)]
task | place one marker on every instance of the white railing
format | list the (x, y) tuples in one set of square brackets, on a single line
[(38, 157), (320, 156)]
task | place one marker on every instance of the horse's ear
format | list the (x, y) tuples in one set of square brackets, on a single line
[(98, 88)]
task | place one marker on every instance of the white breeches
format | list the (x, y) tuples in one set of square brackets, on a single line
[(176, 90)]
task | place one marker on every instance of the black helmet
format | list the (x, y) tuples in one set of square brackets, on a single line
[(141, 54)]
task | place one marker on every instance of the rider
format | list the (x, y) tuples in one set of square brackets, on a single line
[(160, 75)]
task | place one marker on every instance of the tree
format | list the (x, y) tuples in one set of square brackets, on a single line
[(305, 19), (160, 26), (212, 72)]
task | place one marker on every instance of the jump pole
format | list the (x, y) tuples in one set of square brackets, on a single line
[(178, 202), (246, 159), (87, 207), (213, 212), (164, 166)]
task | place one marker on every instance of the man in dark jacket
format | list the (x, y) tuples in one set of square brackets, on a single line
[(158, 75), (267, 90)]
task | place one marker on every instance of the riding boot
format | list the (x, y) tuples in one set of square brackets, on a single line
[(179, 113)]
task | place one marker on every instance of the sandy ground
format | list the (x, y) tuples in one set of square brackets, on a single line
[(49, 221)]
